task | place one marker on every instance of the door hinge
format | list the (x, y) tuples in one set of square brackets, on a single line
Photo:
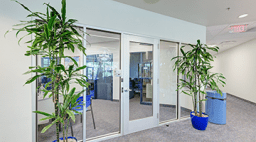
[(122, 89), (122, 80)]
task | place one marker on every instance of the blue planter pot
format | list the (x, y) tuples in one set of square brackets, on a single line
[(68, 138), (199, 123)]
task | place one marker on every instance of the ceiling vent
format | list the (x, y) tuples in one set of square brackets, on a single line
[(227, 42), (151, 1)]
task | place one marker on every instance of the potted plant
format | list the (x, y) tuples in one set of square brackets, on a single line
[(53, 34), (195, 64)]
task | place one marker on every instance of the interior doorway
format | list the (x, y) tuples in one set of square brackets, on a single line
[(140, 85)]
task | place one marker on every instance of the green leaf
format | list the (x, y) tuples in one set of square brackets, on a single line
[(186, 93), (75, 31), (81, 68), (7, 32), (54, 10), (47, 84), (183, 53), (63, 11), (222, 82), (67, 86), (47, 13), (72, 91), (21, 39), (46, 31), (30, 10), (51, 21), (72, 60), (48, 126), (43, 113), (70, 69), (32, 79), (61, 120), (47, 118), (71, 21), (77, 112), (71, 114)]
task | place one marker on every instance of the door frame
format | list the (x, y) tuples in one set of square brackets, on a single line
[(148, 122)]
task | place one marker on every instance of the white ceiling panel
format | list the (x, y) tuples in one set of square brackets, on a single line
[(216, 15), (203, 12)]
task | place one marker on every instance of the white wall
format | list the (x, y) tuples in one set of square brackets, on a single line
[(15, 99), (238, 65)]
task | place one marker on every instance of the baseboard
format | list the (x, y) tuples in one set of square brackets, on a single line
[(241, 99), (114, 100), (185, 109), (167, 105)]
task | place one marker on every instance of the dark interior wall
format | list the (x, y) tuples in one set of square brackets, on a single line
[(134, 61)]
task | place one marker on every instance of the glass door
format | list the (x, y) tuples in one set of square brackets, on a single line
[(140, 85)]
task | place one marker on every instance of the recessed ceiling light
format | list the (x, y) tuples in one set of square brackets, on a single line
[(242, 16)]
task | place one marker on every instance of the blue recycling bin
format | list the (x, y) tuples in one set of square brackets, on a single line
[(215, 107)]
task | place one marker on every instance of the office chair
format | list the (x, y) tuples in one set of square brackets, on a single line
[(79, 108)]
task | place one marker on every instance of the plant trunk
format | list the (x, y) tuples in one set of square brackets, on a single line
[(200, 103), (55, 98), (195, 93), (67, 129), (195, 98), (56, 105), (63, 131), (57, 113), (57, 101)]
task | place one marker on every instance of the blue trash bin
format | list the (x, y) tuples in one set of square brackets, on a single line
[(215, 107)]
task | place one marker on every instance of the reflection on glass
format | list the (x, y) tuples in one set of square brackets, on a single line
[(185, 100), (102, 59), (141, 80), (167, 81)]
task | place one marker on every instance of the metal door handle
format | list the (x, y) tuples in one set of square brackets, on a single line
[(126, 90)]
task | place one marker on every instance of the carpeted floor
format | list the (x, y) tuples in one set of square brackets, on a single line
[(240, 127), (106, 114)]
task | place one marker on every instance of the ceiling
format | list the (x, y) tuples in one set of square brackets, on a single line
[(220, 35), (213, 14), (202, 12)]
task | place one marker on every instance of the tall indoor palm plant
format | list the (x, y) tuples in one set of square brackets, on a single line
[(53, 35), (195, 64)]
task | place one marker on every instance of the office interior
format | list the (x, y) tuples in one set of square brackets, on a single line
[(104, 61)]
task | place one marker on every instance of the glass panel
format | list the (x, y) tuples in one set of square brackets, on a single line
[(186, 103), (167, 81), (46, 104), (102, 60), (141, 80)]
